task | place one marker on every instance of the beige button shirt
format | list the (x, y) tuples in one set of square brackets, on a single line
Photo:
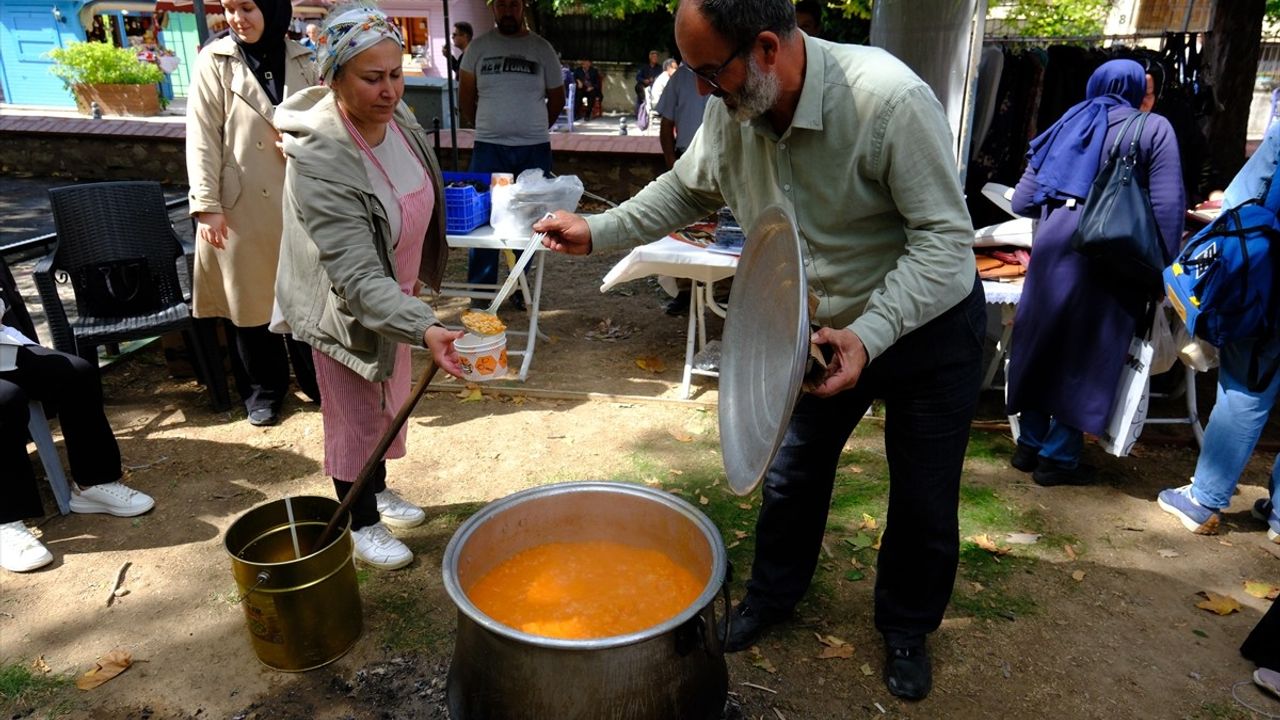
[(866, 168)]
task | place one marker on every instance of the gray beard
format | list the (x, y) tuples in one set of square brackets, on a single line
[(757, 95)]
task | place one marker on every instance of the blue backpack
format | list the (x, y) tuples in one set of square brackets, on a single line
[(1221, 284)]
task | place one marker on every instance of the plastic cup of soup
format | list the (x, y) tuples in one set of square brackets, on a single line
[(482, 357)]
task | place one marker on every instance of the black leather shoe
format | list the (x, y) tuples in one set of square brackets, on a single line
[(1025, 458), (678, 305), (1049, 473), (264, 416), (908, 672), (748, 623)]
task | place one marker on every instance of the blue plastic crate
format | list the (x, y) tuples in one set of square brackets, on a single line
[(465, 209)]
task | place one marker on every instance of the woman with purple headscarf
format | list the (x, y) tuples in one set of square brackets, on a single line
[(1072, 328), (236, 174)]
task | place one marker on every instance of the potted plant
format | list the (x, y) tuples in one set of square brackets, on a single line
[(110, 76)]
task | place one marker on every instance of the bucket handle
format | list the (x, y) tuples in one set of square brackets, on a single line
[(262, 577), (696, 631)]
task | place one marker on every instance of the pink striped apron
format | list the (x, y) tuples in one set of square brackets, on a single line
[(355, 411)]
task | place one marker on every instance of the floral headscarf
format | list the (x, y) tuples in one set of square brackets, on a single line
[(348, 33)]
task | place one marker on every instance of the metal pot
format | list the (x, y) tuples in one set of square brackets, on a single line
[(675, 669)]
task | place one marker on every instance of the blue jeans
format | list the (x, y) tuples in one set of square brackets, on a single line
[(1235, 424), (1054, 440), (929, 382), (482, 265)]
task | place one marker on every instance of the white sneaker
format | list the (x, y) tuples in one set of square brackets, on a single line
[(112, 498), (375, 546), (398, 512), (20, 551)]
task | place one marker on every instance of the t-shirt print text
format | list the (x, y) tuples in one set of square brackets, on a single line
[(500, 65)]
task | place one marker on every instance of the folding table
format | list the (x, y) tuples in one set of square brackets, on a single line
[(484, 237), (679, 259)]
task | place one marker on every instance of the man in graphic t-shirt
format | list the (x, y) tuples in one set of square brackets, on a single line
[(511, 88)]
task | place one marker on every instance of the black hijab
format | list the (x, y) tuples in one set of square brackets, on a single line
[(266, 58)]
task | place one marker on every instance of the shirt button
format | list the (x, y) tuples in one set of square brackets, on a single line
[(259, 144), (787, 187), (782, 146), (266, 192)]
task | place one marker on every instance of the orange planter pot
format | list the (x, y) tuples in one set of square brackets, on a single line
[(134, 100)]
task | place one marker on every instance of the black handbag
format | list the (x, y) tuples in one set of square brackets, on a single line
[(1117, 229), (115, 288)]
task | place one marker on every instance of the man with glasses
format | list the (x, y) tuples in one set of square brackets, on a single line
[(858, 149), (461, 38)]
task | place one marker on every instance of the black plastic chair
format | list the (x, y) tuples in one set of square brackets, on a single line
[(130, 272)]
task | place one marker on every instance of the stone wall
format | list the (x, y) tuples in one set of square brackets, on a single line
[(89, 158), (615, 176)]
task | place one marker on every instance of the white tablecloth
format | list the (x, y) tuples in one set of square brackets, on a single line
[(674, 258), (1002, 293)]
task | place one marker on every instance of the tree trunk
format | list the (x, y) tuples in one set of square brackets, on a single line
[(1230, 61)]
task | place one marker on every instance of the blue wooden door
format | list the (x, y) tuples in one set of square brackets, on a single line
[(27, 34)]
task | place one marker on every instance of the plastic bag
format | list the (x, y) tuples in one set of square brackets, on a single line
[(1129, 411), (1165, 350), (517, 207), (1195, 353)]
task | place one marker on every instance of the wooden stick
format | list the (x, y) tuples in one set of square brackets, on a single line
[(371, 464)]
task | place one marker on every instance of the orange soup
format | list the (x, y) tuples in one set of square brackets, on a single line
[(585, 590)]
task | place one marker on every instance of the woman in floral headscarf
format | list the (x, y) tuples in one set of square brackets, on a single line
[(363, 230), (236, 174)]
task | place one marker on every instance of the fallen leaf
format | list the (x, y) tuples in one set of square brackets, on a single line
[(1259, 589), (704, 500), (1215, 603), (744, 506), (1167, 553), (876, 545), (829, 640), (609, 332), (1022, 538), (861, 541), (674, 471), (40, 666), (866, 669), (868, 522), (739, 534), (1200, 633), (107, 667), (841, 651), (733, 545), (986, 543), (651, 363), (854, 575), (1225, 542), (1078, 576), (473, 394), (976, 586), (759, 660), (855, 469), (519, 399), (680, 435), (855, 562), (1070, 551)]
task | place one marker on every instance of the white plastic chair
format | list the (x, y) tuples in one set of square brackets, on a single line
[(38, 427)]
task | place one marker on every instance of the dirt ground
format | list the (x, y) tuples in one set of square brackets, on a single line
[(1097, 619)]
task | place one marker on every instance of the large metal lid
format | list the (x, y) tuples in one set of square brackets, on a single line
[(766, 343)]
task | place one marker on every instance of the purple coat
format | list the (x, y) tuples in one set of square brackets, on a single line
[(1072, 329)]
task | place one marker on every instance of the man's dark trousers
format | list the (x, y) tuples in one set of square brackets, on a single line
[(929, 381)]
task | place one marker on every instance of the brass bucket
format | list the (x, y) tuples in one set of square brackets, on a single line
[(303, 612)]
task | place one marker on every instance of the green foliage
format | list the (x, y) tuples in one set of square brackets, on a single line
[(1273, 10), (94, 63), (22, 689), (1064, 18)]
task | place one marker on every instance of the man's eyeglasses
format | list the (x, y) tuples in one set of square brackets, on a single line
[(710, 77)]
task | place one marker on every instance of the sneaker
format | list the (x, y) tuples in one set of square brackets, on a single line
[(375, 546), (1262, 509), (264, 417), (1268, 680), (113, 498), (20, 551), (1195, 517), (397, 512)]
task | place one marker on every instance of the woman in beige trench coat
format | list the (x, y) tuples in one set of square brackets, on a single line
[(236, 173)]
